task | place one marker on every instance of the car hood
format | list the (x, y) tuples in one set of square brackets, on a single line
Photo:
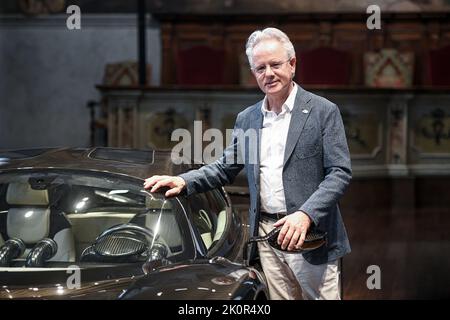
[(105, 282), (198, 281), (205, 279)]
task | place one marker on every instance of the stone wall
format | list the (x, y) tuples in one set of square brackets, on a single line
[(49, 74)]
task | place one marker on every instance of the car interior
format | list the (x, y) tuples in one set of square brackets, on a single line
[(74, 216), (31, 219), (209, 216), (68, 213)]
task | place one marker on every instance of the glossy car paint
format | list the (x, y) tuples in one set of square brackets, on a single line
[(220, 273)]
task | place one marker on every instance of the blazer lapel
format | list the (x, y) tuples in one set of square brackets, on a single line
[(300, 114)]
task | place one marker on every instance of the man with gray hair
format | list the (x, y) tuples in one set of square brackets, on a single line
[(302, 170)]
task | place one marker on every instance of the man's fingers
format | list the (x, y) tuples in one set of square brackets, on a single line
[(287, 238), (283, 233), (175, 184), (147, 183), (302, 239), (150, 182), (173, 192), (159, 184), (280, 222), (294, 239)]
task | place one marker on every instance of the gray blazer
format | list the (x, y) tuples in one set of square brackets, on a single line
[(316, 169)]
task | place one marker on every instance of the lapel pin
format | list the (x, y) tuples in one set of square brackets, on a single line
[(305, 111)]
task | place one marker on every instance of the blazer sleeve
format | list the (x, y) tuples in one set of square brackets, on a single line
[(337, 168), (220, 172)]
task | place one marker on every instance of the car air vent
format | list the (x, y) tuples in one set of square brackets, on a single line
[(123, 155)]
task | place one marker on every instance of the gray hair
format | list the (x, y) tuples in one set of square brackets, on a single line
[(268, 34)]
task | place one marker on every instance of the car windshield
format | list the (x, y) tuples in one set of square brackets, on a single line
[(74, 208)]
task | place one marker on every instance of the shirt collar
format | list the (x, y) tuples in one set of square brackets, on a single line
[(288, 105)]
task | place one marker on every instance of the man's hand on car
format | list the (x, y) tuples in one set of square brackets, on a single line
[(174, 183)]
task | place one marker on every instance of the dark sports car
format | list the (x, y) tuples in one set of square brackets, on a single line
[(77, 224)]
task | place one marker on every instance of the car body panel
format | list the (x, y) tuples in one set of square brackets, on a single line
[(218, 273)]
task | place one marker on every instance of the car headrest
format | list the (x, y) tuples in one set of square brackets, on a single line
[(22, 194)]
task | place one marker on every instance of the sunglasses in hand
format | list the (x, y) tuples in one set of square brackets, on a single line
[(314, 239)]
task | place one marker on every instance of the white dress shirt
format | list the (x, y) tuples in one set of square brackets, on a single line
[(273, 141)]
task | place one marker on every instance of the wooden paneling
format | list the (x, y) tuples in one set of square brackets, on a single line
[(400, 225), (406, 32)]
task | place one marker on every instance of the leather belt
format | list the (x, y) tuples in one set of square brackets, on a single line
[(272, 216)]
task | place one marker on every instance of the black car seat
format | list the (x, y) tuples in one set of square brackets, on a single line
[(31, 219)]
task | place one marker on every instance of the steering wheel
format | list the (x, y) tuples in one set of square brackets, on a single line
[(129, 239)]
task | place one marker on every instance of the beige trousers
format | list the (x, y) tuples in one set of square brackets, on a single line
[(290, 277)]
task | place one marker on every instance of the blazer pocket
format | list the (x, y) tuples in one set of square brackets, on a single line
[(307, 148)]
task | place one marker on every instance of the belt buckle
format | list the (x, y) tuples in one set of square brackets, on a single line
[(273, 216), (280, 215)]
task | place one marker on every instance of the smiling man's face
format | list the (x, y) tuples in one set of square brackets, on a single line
[(272, 68)]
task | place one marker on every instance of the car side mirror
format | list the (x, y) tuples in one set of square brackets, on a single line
[(156, 258)]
